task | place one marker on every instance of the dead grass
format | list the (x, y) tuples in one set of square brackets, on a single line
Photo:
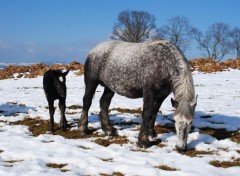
[(12, 161), (107, 160), (74, 107), (58, 166), (141, 150), (222, 133), (38, 126), (166, 168), (111, 140), (48, 141), (226, 164), (3, 121), (164, 129), (196, 153), (54, 165), (113, 174), (130, 111)]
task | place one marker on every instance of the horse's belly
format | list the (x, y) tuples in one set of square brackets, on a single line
[(129, 92)]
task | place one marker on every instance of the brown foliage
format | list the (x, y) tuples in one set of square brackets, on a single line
[(202, 64), (207, 65), (35, 70)]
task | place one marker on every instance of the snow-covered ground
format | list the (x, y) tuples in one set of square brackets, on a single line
[(24, 154)]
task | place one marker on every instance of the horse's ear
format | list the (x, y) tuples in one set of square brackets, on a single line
[(194, 101), (174, 103), (65, 73)]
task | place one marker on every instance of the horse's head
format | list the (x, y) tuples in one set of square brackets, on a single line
[(60, 83), (183, 117)]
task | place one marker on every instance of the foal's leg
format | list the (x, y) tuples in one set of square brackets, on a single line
[(104, 105), (51, 113), (62, 107), (87, 101), (148, 101)]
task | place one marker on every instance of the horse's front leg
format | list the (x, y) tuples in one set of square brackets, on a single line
[(87, 101), (156, 105), (148, 101), (62, 107), (51, 113), (104, 105)]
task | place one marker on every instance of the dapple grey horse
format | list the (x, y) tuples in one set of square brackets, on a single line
[(150, 70)]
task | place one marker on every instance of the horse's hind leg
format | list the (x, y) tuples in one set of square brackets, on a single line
[(104, 105), (62, 107), (87, 101), (51, 113)]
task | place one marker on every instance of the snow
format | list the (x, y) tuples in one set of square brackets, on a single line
[(218, 97)]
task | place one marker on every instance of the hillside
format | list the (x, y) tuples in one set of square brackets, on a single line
[(32, 71)]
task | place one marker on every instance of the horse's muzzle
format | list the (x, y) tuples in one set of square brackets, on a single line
[(181, 149)]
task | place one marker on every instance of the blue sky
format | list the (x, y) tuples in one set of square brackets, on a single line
[(65, 30)]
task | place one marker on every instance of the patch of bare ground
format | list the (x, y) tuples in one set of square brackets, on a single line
[(166, 168), (13, 161), (164, 129), (141, 150), (130, 111), (48, 141), (226, 164), (113, 174), (9, 163), (196, 153), (107, 159), (83, 147), (111, 140), (38, 126), (1, 151), (74, 107), (161, 145), (57, 166), (222, 134)]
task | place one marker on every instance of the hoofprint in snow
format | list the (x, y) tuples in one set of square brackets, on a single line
[(24, 154)]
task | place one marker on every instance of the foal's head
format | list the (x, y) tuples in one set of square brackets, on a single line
[(183, 117), (60, 82)]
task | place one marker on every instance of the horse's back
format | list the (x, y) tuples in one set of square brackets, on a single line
[(127, 68)]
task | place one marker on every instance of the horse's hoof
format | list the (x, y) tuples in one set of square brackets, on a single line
[(51, 130), (153, 134), (85, 132), (145, 144), (113, 132), (63, 128)]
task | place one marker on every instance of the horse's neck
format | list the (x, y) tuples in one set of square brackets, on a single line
[(183, 87)]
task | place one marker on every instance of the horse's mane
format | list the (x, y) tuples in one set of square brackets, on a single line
[(183, 88)]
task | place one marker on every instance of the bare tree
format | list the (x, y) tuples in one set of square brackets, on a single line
[(134, 26), (215, 42), (235, 36), (178, 31)]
